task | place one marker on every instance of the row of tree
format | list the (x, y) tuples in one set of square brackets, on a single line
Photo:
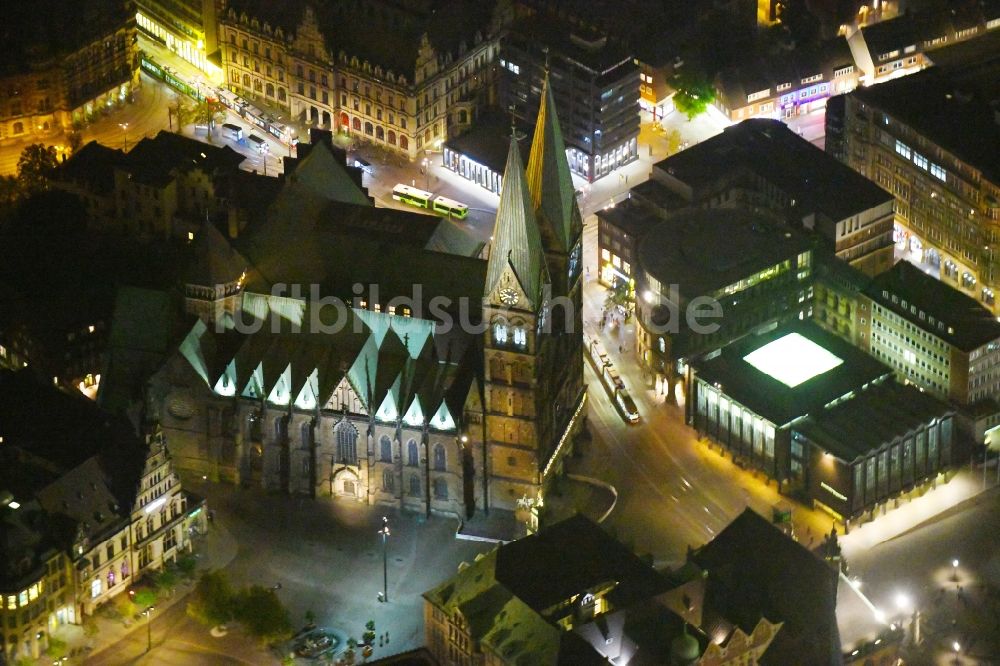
[(215, 602)]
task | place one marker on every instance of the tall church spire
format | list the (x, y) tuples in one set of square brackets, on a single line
[(516, 239), (549, 178)]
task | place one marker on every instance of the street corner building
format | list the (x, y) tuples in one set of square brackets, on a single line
[(86, 507), (64, 65), (452, 411), (826, 421), (571, 594)]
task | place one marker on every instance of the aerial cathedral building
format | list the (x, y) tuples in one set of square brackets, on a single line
[(338, 372)]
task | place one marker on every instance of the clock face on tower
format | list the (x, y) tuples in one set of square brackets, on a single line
[(508, 296)]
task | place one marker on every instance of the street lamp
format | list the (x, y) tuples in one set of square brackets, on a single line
[(424, 169), (385, 558), (124, 127), (954, 570), (149, 628)]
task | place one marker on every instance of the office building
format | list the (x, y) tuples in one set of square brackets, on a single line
[(930, 139), (764, 164), (595, 84), (934, 336), (695, 294)]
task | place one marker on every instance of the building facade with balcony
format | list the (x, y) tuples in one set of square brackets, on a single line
[(63, 72), (406, 92), (929, 140)]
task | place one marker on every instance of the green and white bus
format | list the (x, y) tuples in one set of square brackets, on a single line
[(412, 196), (451, 208)]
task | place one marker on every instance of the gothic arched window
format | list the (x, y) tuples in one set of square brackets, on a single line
[(385, 449), (440, 489), (415, 485), (500, 332), (347, 443), (439, 458), (412, 454)]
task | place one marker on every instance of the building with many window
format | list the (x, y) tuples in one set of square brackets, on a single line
[(764, 164), (695, 295), (60, 73), (386, 370), (394, 75), (934, 336), (595, 84), (86, 507), (930, 139), (185, 27), (890, 49), (800, 404), (788, 85), (571, 594)]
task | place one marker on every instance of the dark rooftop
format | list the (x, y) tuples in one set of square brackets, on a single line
[(818, 182), (950, 106), (631, 217), (152, 161), (959, 320), (704, 250), (553, 565), (754, 570), (488, 142), (776, 401), (872, 418), (92, 165), (591, 50)]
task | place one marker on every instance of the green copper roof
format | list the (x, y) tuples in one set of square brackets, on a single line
[(549, 178), (516, 240)]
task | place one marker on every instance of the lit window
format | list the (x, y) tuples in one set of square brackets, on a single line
[(95, 588), (520, 337), (500, 332), (22, 599), (939, 172)]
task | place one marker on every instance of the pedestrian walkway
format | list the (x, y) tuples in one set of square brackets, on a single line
[(213, 551)]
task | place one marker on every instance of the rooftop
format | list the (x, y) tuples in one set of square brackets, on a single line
[(948, 313), (152, 161), (950, 106), (685, 249), (573, 43), (632, 217), (754, 570), (871, 419), (488, 141), (810, 367), (815, 181)]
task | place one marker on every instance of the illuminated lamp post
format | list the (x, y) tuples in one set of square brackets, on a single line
[(385, 559)]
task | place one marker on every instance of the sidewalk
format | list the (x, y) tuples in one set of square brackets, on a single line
[(213, 551)]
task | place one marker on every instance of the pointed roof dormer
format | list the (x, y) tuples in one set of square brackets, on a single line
[(549, 178), (517, 245)]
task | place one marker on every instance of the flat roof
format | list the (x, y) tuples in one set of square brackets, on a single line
[(833, 368), (704, 250), (631, 217), (950, 105), (874, 417), (958, 319), (817, 181), (488, 142), (792, 359)]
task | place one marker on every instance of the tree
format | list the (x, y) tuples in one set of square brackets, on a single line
[(35, 166), (673, 141), (263, 615), (180, 112), (208, 112), (213, 599), (694, 94), (618, 295)]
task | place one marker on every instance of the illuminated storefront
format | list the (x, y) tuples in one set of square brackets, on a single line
[(191, 49)]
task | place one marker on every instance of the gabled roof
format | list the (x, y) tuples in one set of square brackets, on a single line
[(215, 261), (549, 179), (153, 161), (754, 570), (322, 174), (94, 165), (516, 239)]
